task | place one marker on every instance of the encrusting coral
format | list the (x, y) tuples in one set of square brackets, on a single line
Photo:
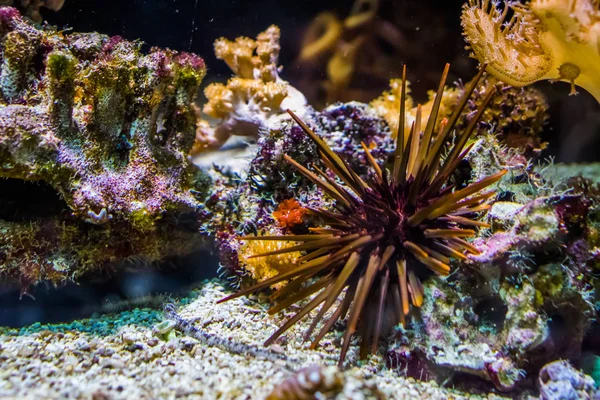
[(266, 267), (108, 128), (543, 39), (381, 230), (255, 98)]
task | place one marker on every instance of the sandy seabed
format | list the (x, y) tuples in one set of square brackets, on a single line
[(228, 362)]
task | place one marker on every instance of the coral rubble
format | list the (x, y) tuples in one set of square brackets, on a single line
[(120, 356), (541, 39), (108, 128)]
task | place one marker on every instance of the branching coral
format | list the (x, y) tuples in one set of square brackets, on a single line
[(381, 231), (255, 98), (543, 39), (106, 126)]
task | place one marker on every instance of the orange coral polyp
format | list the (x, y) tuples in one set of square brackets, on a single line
[(289, 213)]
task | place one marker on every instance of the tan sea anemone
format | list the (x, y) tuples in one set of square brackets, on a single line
[(543, 39)]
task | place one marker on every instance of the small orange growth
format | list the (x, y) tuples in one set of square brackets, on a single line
[(289, 213)]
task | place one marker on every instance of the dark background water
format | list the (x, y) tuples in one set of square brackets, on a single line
[(189, 25)]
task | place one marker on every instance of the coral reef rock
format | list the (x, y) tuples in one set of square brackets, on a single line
[(108, 129), (242, 205), (559, 380), (528, 298)]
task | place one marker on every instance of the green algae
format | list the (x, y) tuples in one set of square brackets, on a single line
[(102, 325)]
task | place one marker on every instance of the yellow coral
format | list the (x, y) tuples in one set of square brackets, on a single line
[(321, 36), (543, 39), (516, 114), (388, 106), (341, 66), (256, 98), (262, 268), (363, 12), (224, 100), (252, 59)]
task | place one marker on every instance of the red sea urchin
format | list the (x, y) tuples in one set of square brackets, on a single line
[(382, 230)]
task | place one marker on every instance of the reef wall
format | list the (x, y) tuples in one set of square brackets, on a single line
[(102, 130)]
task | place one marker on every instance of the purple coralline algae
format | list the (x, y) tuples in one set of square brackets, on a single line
[(559, 380), (345, 126), (109, 129)]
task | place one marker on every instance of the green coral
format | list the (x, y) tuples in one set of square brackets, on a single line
[(61, 69)]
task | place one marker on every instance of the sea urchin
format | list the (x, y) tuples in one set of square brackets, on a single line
[(382, 230)]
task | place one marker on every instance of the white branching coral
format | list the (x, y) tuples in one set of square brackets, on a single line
[(256, 98), (543, 39)]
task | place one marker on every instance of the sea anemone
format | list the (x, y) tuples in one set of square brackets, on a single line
[(382, 231), (524, 42)]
